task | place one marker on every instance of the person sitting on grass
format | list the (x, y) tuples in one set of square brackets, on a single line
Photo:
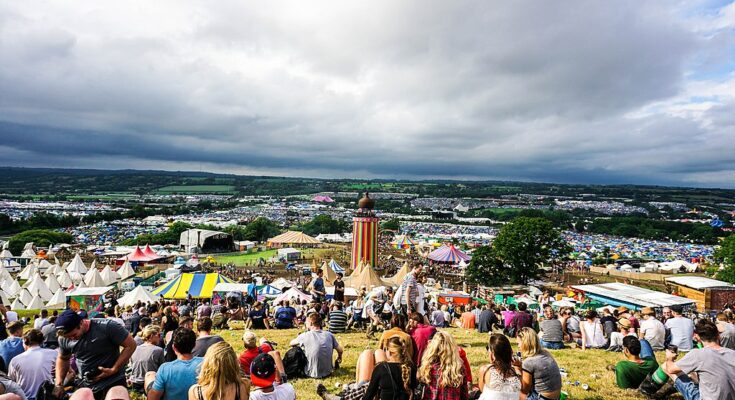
[(252, 349), (174, 378), (629, 373), (263, 378), (552, 334), (592, 335), (318, 347), (539, 372), (220, 377), (498, 380), (398, 324), (616, 338), (285, 316)]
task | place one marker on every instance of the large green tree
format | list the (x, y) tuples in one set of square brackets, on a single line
[(260, 229), (525, 244), (487, 269), (324, 223), (726, 255), (40, 237)]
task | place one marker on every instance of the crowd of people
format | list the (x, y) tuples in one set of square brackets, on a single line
[(170, 350)]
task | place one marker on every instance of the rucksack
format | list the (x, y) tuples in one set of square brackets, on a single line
[(294, 362)]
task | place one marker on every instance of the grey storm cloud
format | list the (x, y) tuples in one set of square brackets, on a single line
[(584, 92)]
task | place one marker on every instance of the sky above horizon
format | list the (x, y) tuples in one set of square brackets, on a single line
[(574, 92)]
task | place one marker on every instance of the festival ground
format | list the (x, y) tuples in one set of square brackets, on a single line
[(587, 367)]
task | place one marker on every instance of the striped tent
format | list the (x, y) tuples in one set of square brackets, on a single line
[(292, 238), (448, 254), (336, 267), (403, 242), (199, 286), (269, 291)]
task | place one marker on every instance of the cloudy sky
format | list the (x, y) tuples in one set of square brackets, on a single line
[(592, 92)]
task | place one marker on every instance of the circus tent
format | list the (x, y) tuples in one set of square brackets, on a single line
[(366, 276), (448, 254), (292, 238), (151, 253), (196, 285), (137, 255), (336, 267), (403, 242), (397, 279)]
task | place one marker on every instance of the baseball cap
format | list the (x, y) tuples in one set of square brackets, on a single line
[(263, 370), (68, 320)]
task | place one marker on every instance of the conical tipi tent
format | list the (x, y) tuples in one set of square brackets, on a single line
[(17, 305), (139, 294), (28, 271), (95, 279), (109, 276), (397, 279), (4, 297), (58, 301), (28, 252), (76, 265), (126, 271), (6, 254), (32, 279), (329, 275), (36, 303), (44, 265), (38, 287), (65, 280), (367, 277), (52, 271), (4, 274), (13, 289), (91, 271), (52, 283), (25, 296)]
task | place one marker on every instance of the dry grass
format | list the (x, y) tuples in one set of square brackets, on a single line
[(583, 366)]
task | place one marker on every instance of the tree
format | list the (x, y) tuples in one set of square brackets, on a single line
[(260, 229), (324, 223), (726, 255), (391, 225), (485, 268), (39, 237), (525, 244)]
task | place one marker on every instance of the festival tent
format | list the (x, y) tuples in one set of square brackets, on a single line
[(4, 274), (269, 291), (281, 283), (65, 280), (52, 270), (25, 296), (44, 265), (76, 266), (139, 294), (633, 297), (397, 279), (58, 301), (13, 289), (137, 255), (92, 270), (322, 199), (94, 279), (292, 293), (125, 271), (403, 242), (6, 254), (9, 262), (448, 254), (336, 267), (36, 303), (38, 287), (329, 274), (197, 285), (28, 271), (349, 292), (151, 253), (4, 297), (87, 298), (292, 238), (28, 253), (366, 277), (17, 305), (109, 276)]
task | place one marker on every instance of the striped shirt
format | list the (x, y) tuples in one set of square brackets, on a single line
[(337, 321)]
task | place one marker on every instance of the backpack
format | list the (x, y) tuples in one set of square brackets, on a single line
[(294, 362)]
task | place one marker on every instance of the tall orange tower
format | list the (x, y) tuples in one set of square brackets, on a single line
[(365, 233)]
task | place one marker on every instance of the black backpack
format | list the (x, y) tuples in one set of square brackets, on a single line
[(294, 362)]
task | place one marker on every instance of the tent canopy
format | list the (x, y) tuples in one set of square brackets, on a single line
[(336, 267), (139, 294), (198, 286), (291, 293), (366, 276), (397, 279), (448, 254), (137, 255), (292, 238)]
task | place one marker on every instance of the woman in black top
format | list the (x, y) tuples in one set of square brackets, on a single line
[(394, 375), (257, 317)]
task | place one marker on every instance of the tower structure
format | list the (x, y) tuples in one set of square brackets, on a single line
[(365, 234)]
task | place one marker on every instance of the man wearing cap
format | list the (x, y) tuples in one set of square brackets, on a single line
[(652, 330), (262, 376), (13, 345), (682, 330), (339, 288), (96, 346)]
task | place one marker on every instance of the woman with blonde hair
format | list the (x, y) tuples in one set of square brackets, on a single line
[(442, 370), (539, 372), (220, 377)]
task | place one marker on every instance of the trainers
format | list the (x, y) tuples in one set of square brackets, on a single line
[(321, 390)]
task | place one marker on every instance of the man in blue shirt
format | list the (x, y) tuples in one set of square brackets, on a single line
[(285, 316), (173, 379), (317, 287), (13, 345)]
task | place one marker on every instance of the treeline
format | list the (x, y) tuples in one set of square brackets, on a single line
[(645, 228)]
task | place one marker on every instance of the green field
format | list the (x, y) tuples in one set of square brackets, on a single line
[(245, 258), (197, 189), (499, 210)]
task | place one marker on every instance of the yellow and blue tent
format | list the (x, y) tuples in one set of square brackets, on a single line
[(199, 286)]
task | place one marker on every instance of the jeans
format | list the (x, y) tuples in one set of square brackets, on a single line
[(534, 395), (552, 345), (646, 350), (687, 388)]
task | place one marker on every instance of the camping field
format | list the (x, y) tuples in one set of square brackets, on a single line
[(197, 189), (587, 367), (241, 259)]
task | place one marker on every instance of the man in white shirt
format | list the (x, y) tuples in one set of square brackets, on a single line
[(652, 330), (11, 315), (33, 367), (41, 322), (682, 330)]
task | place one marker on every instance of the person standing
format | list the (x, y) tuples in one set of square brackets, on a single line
[(339, 288), (318, 292), (96, 346), (33, 367), (409, 291)]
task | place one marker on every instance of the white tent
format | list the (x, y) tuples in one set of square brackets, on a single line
[(94, 279), (281, 283), (52, 270), (4, 297), (28, 253), (126, 270), (76, 265), (44, 265), (292, 293), (13, 289), (4, 274), (65, 280), (109, 276), (17, 305), (38, 287), (92, 269), (32, 279), (58, 301), (6, 254), (139, 294), (28, 271), (52, 283), (36, 303), (25, 296)]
